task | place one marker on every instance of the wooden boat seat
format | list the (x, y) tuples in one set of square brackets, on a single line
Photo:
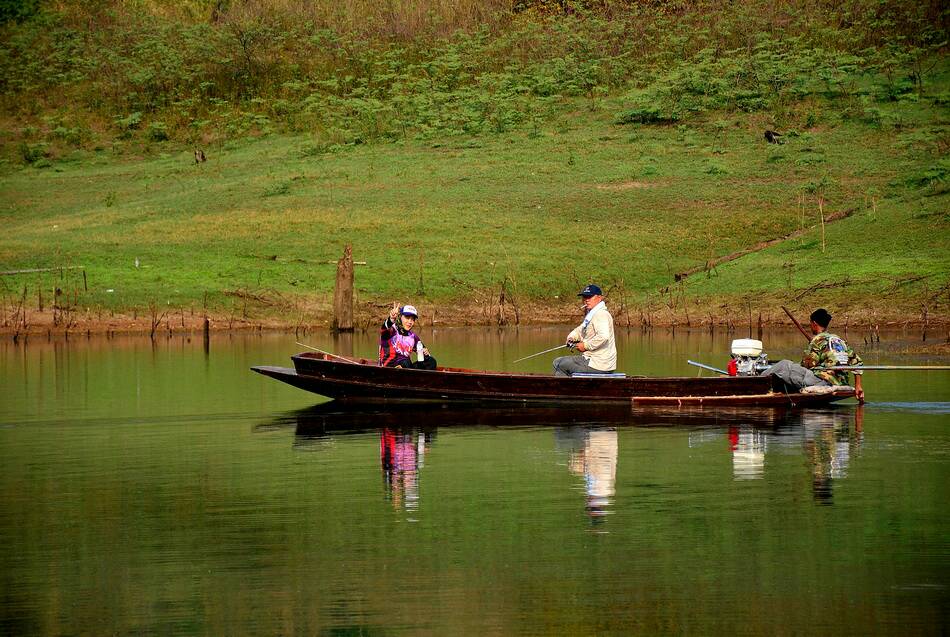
[(587, 375)]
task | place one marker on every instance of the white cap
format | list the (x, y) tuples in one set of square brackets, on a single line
[(409, 310)]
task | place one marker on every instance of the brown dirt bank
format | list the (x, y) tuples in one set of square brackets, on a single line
[(724, 315)]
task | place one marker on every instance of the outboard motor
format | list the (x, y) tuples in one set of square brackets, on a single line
[(747, 358)]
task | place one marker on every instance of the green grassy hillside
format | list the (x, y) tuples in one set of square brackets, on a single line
[(628, 150)]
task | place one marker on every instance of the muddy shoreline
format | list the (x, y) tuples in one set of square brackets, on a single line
[(367, 315)]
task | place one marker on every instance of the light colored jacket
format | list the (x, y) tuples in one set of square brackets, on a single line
[(599, 341)]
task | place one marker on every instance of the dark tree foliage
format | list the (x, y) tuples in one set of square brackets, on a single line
[(17, 10), (78, 70)]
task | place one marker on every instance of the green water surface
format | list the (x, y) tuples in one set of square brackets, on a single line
[(164, 489)]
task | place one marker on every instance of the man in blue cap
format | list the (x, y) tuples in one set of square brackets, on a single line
[(593, 338)]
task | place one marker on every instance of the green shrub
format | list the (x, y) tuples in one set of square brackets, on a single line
[(931, 176), (129, 123), (157, 132), (767, 76), (277, 189), (74, 136), (31, 153), (264, 69), (647, 114), (18, 10)]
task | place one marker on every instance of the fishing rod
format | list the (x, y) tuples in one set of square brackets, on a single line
[(539, 353), (797, 324), (317, 349), (845, 368), (709, 367)]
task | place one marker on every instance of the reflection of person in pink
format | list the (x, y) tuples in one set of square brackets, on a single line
[(400, 456)]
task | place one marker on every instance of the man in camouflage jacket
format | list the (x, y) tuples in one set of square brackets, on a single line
[(824, 350)]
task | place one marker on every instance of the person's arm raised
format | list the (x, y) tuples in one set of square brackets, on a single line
[(393, 314)]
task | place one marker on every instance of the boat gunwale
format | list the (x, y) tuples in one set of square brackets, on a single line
[(770, 398), (365, 362)]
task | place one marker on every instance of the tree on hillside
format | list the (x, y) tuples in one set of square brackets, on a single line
[(17, 10)]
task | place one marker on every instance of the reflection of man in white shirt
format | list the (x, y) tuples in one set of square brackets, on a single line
[(594, 457), (600, 467)]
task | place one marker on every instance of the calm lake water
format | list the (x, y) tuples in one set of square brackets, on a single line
[(165, 490)]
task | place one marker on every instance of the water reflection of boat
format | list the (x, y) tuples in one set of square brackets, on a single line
[(359, 378), (588, 433), (827, 437), (342, 417)]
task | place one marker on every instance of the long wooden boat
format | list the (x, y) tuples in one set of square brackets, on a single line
[(362, 379)]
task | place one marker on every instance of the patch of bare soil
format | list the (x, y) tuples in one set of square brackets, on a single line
[(627, 185)]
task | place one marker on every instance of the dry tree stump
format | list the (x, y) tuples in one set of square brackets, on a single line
[(343, 293)]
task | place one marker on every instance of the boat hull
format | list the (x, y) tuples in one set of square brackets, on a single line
[(360, 379)]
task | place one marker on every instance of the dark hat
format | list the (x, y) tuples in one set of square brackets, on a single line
[(591, 290), (821, 317)]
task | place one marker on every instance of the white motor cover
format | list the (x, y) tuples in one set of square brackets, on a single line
[(746, 347)]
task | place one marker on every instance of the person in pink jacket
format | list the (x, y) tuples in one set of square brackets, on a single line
[(397, 341)]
